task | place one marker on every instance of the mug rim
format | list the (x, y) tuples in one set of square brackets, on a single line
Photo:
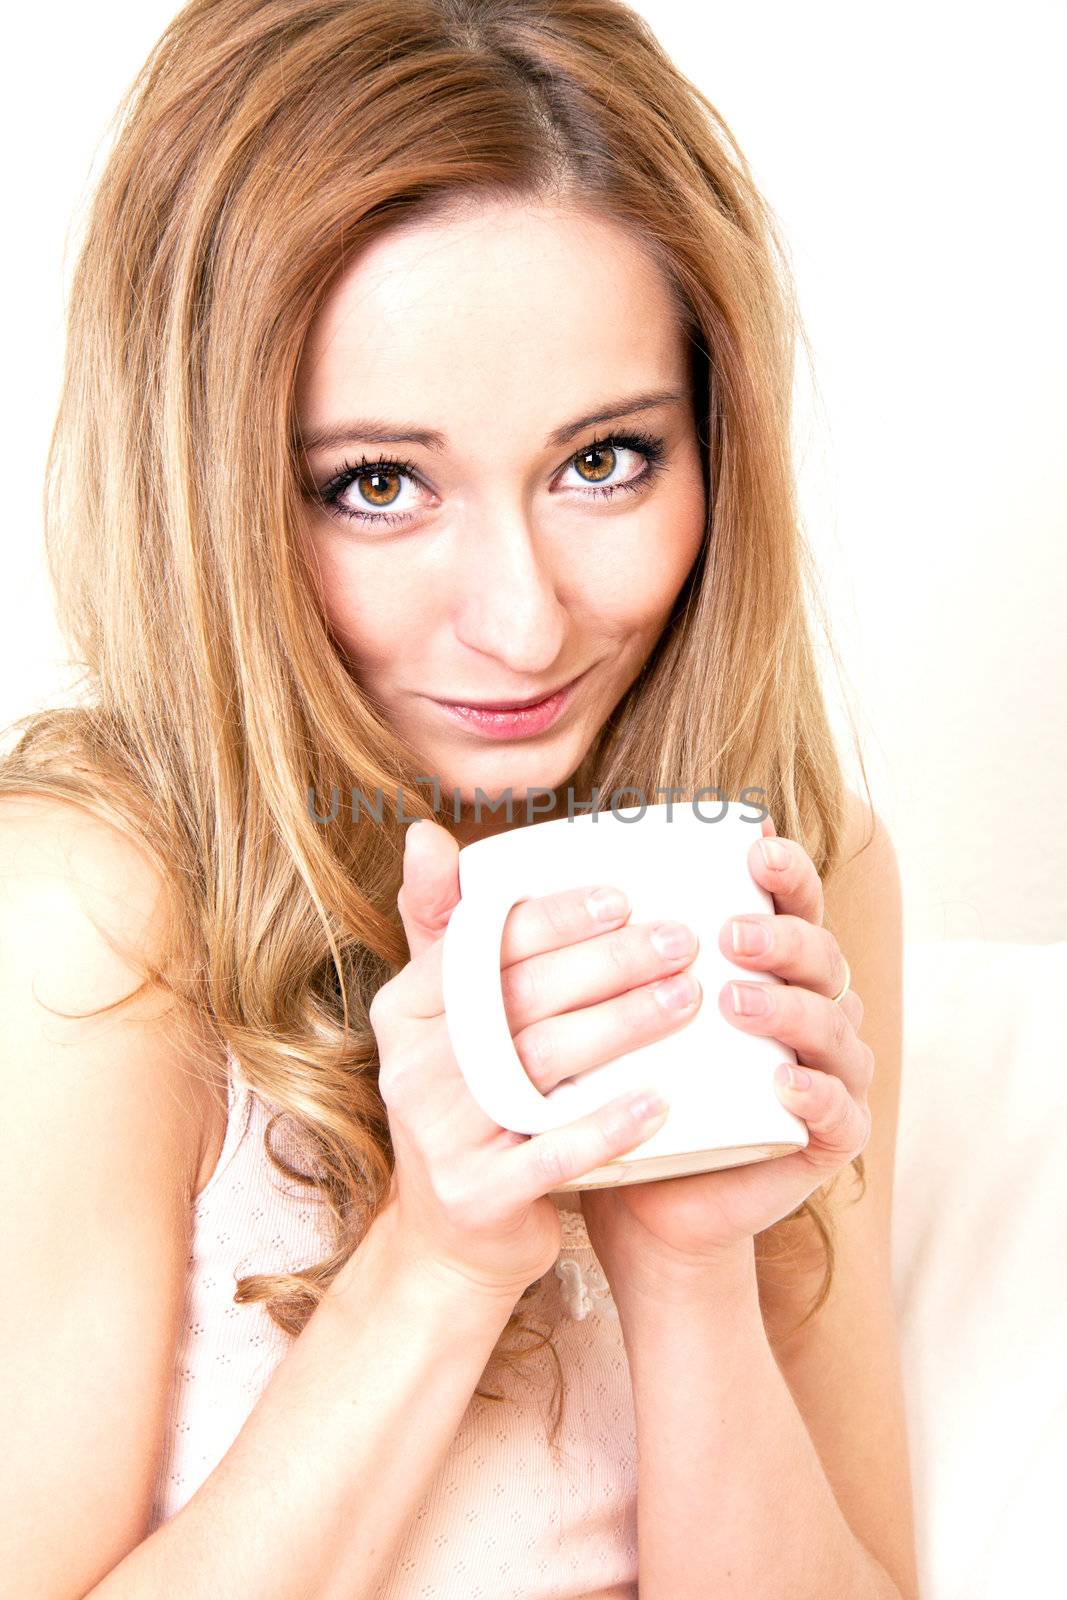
[(615, 815)]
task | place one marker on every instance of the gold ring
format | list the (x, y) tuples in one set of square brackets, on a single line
[(841, 993)]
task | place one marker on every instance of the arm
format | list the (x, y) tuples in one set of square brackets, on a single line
[(312, 1497), (815, 1416), (103, 1141), (732, 1497)]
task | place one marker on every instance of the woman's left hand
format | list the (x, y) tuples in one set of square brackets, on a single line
[(669, 1229)]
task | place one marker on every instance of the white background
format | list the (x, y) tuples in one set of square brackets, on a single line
[(914, 158)]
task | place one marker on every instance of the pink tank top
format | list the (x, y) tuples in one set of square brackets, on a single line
[(503, 1516)]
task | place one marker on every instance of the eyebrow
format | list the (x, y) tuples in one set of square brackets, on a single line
[(374, 430)]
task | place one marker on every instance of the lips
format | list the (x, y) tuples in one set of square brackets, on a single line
[(515, 722), (508, 705)]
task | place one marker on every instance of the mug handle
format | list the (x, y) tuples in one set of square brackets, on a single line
[(478, 1023)]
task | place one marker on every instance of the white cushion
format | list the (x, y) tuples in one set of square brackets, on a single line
[(980, 1263)]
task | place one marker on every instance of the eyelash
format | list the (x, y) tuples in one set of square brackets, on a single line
[(644, 444)]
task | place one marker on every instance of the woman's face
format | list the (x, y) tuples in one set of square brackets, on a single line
[(518, 379)]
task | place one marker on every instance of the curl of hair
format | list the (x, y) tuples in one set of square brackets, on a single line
[(262, 146)]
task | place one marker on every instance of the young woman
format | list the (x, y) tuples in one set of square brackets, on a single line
[(424, 359)]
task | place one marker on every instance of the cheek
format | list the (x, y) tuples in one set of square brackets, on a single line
[(678, 536), (634, 582), (369, 612)]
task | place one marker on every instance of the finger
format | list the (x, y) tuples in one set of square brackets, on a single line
[(546, 923), (430, 887), (593, 970), (838, 1125), (428, 895), (422, 1088), (817, 1029), (852, 1006), (546, 1160), (533, 926), (787, 872), (564, 1046), (796, 950)]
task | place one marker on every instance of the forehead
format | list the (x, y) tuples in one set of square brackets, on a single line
[(510, 302)]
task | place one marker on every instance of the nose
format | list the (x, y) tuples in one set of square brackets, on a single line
[(508, 604)]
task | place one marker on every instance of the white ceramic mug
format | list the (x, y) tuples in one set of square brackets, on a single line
[(675, 862)]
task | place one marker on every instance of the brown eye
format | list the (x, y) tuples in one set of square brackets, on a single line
[(600, 461), (381, 483), (379, 495)]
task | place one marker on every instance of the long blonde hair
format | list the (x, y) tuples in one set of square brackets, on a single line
[(264, 144)]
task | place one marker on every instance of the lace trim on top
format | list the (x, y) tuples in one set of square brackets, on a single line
[(583, 1286)]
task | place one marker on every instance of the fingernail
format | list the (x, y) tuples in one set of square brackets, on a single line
[(607, 905), (749, 938), (750, 999), (774, 852), (672, 939), (649, 1107), (676, 993), (787, 1077)]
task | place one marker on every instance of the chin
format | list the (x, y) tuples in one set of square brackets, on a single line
[(496, 770)]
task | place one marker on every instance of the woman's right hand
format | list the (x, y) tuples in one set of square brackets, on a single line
[(472, 1199)]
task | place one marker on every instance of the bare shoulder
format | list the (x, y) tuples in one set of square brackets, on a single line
[(103, 1129), (47, 844), (82, 908), (864, 910), (867, 856)]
